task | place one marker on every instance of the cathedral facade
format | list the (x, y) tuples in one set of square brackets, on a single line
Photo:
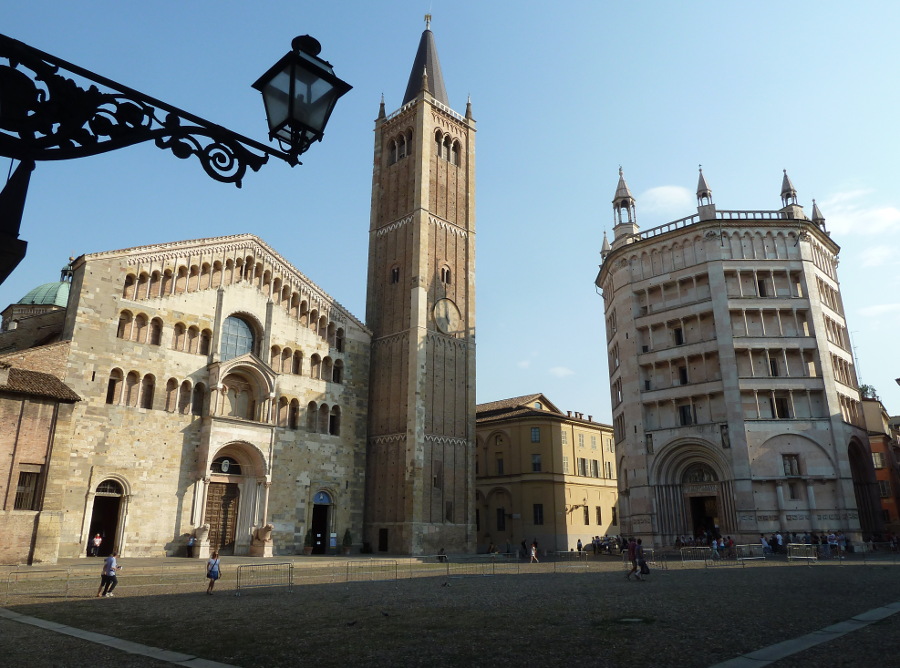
[(734, 397), (212, 390), (223, 395)]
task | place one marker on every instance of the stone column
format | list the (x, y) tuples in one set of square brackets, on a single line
[(811, 498), (779, 496)]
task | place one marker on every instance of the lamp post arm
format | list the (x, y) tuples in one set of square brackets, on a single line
[(45, 115)]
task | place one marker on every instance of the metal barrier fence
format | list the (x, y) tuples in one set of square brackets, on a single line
[(694, 554), (656, 559), (570, 560), (751, 552), (370, 570), (879, 553), (83, 580), (803, 552), (250, 576)]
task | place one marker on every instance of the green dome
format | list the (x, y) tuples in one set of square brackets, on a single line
[(56, 294)]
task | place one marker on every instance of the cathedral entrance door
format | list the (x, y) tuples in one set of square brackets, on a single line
[(321, 504), (105, 516), (221, 514), (704, 514)]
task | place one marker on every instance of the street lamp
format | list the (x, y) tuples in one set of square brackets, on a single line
[(299, 92), (46, 115)]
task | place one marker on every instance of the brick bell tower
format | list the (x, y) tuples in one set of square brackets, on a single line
[(420, 486)]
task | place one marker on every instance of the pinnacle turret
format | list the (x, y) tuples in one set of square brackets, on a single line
[(788, 194), (704, 193)]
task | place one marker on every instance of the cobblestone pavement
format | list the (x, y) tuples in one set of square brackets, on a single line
[(546, 614)]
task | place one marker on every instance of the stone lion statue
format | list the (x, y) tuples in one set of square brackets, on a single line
[(262, 535)]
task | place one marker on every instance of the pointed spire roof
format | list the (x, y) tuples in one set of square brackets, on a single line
[(703, 189), (788, 194), (426, 61), (605, 248), (622, 191), (817, 216)]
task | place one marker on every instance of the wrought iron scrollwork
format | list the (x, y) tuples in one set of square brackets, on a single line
[(46, 115)]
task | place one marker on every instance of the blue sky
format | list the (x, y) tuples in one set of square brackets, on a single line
[(563, 95)]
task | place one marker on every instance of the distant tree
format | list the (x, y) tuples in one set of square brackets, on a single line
[(868, 392)]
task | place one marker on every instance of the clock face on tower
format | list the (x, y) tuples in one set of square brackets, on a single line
[(446, 316)]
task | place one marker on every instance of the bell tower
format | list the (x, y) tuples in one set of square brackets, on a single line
[(420, 482)]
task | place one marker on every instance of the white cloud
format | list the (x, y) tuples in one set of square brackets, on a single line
[(561, 371), (879, 310), (846, 212), (877, 256), (667, 200), (524, 364)]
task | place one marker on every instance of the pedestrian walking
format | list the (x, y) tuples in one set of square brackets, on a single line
[(534, 559), (632, 557), (95, 545), (641, 562), (190, 546), (108, 578), (213, 571)]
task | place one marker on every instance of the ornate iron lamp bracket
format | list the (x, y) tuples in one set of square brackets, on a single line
[(46, 115)]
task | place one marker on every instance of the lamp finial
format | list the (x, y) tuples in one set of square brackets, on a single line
[(428, 22)]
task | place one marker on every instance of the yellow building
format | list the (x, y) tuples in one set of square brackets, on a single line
[(542, 474)]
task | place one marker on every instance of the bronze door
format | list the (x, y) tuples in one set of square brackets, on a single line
[(221, 514)]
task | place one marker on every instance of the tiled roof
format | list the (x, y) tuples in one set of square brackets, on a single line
[(34, 383), (516, 407)]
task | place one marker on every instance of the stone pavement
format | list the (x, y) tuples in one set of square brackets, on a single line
[(831, 630)]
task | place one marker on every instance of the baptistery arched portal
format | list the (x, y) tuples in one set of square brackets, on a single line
[(701, 491), (694, 491)]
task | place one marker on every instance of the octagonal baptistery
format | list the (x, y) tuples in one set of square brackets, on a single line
[(224, 397), (734, 397)]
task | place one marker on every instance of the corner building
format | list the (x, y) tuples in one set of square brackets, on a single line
[(543, 475), (734, 397), (421, 310)]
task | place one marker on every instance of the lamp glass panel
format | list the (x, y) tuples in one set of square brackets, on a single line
[(275, 97), (314, 99)]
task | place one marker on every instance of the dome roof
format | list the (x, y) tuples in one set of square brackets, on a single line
[(56, 294)]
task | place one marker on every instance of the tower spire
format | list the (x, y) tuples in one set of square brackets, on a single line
[(624, 213), (788, 194), (426, 61), (704, 194)]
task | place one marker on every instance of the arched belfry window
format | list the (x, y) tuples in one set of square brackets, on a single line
[(445, 275), (395, 274), (237, 338)]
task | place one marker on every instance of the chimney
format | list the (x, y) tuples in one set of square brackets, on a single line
[(590, 418)]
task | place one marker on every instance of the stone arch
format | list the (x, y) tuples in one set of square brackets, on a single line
[(865, 487), (108, 500), (686, 504), (235, 471)]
